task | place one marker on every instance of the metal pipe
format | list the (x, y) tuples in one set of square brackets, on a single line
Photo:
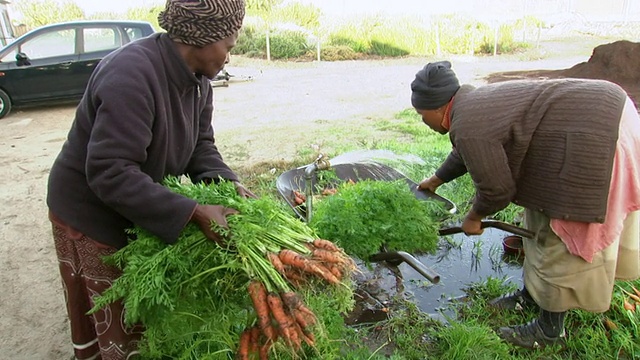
[(319, 164), (401, 256), (308, 189), (494, 224)]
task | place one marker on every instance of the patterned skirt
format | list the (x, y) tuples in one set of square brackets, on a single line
[(103, 334)]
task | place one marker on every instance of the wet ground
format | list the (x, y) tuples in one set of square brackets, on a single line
[(460, 261)]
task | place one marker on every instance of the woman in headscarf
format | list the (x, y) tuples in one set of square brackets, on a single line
[(566, 150), (146, 114)]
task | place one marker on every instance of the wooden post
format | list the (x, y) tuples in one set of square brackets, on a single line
[(318, 47)]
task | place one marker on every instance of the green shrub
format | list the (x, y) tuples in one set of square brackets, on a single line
[(337, 53), (506, 42), (286, 44), (342, 39), (386, 49), (248, 41)]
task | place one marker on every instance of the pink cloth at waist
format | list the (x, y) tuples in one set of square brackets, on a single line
[(586, 239)]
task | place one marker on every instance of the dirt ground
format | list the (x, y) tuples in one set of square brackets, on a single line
[(280, 111)]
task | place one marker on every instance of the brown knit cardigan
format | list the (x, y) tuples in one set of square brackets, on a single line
[(545, 145)]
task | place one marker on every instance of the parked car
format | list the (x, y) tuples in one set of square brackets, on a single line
[(53, 63)]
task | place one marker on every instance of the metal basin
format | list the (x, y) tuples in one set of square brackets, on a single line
[(295, 179)]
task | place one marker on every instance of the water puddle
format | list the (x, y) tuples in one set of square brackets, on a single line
[(460, 261)]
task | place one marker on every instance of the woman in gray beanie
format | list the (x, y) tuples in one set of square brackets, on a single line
[(567, 151), (146, 114)]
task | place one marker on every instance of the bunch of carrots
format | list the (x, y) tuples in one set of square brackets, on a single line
[(282, 314)]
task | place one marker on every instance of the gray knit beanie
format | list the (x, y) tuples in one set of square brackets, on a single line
[(434, 86)]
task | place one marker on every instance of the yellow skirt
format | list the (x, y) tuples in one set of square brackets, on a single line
[(559, 281)]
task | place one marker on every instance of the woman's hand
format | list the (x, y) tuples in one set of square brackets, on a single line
[(243, 191), (430, 184), (472, 224), (203, 215)]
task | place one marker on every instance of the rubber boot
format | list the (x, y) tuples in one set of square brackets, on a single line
[(547, 329), (518, 300)]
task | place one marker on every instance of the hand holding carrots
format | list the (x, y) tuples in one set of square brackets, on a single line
[(204, 215)]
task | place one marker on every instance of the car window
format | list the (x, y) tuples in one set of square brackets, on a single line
[(98, 39), (10, 56), (134, 33), (50, 44)]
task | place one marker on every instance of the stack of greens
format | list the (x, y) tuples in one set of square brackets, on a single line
[(195, 298), (365, 216)]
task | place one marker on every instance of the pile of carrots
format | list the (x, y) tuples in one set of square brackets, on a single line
[(283, 315)]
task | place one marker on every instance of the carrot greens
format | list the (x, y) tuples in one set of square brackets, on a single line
[(363, 217), (194, 300)]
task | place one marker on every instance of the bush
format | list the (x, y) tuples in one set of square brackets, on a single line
[(286, 44), (506, 43), (386, 49), (248, 41), (338, 53), (358, 46)]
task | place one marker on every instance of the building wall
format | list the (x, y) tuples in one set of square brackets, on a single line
[(6, 30)]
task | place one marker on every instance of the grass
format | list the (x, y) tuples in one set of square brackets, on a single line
[(410, 334)]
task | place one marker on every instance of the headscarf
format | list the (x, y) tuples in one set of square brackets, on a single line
[(434, 86), (201, 22)]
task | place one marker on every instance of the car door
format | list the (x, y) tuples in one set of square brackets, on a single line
[(47, 66), (96, 41)]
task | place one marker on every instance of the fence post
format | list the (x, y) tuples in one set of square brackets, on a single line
[(268, 47), (495, 41), (318, 47), (438, 49)]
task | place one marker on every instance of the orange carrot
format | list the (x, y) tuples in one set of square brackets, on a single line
[(254, 341), (303, 320), (335, 271), (293, 302), (283, 319), (329, 191), (302, 196), (635, 298), (243, 345), (264, 351), (333, 257), (322, 271), (307, 336), (275, 261), (635, 291), (292, 258), (628, 306), (258, 295), (294, 277), (632, 296), (609, 324), (325, 244)]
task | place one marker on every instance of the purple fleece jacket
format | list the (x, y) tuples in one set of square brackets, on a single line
[(144, 116)]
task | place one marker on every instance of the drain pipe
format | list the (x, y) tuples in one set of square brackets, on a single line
[(396, 258), (319, 164)]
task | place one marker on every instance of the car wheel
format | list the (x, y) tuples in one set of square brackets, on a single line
[(5, 104)]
